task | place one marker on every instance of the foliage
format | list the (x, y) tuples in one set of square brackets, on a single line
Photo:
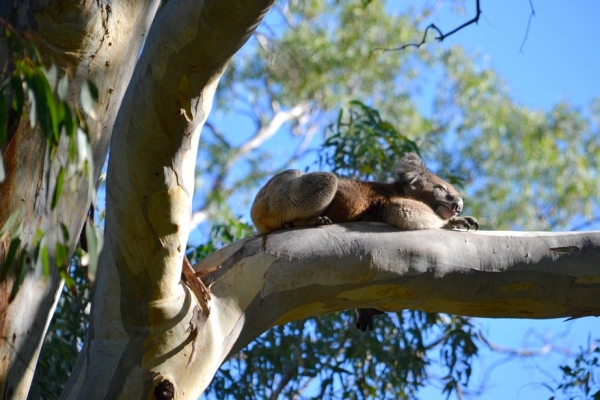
[(526, 169), (65, 335), (582, 378), (362, 146), (476, 136), (508, 156), (300, 57), (36, 92), (327, 358)]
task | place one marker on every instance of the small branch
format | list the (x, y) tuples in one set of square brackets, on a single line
[(531, 15), (286, 378), (542, 351), (218, 134), (441, 36)]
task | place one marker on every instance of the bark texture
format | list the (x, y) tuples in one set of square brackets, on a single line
[(272, 279), (97, 40), (139, 337)]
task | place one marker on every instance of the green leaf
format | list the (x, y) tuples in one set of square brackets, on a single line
[(10, 256), (10, 223), (19, 96), (94, 245), (2, 168), (89, 96), (61, 254), (21, 272), (60, 180), (65, 232), (45, 256), (52, 123), (63, 87)]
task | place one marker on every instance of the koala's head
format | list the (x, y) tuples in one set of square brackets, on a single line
[(418, 183)]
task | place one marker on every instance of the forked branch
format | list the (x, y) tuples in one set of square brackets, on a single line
[(441, 36)]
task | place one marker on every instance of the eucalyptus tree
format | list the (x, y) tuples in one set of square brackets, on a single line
[(151, 332)]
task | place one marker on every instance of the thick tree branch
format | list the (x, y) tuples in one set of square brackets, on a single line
[(271, 279)]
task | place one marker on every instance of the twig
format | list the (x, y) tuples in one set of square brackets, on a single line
[(285, 379), (531, 15), (441, 36)]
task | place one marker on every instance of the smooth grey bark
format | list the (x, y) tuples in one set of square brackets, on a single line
[(139, 336), (272, 279), (97, 40)]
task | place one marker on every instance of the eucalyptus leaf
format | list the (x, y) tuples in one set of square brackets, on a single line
[(94, 244), (19, 96), (89, 96), (20, 277), (60, 180), (11, 226), (13, 248), (51, 75), (2, 168), (63, 87)]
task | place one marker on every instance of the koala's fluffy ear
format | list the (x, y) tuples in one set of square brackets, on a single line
[(410, 168)]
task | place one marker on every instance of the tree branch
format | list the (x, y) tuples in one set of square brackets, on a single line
[(531, 15), (294, 274), (441, 36)]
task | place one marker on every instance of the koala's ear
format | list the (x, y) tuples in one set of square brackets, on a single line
[(410, 169)]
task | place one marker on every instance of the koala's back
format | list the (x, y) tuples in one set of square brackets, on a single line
[(360, 201)]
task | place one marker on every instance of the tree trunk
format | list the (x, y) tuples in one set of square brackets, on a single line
[(139, 339), (96, 40)]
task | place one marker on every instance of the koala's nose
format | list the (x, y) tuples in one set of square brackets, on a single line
[(457, 206)]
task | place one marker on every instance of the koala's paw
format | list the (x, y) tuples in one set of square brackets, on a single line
[(365, 318), (323, 220), (462, 222)]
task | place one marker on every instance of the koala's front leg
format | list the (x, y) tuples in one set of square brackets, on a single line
[(462, 222)]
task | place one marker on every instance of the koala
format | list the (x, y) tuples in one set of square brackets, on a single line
[(417, 199)]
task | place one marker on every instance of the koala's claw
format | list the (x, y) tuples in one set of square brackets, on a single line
[(323, 220), (463, 222)]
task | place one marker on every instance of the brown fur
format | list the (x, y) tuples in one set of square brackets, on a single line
[(418, 199)]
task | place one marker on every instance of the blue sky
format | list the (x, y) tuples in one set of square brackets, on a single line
[(560, 58), (560, 61)]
